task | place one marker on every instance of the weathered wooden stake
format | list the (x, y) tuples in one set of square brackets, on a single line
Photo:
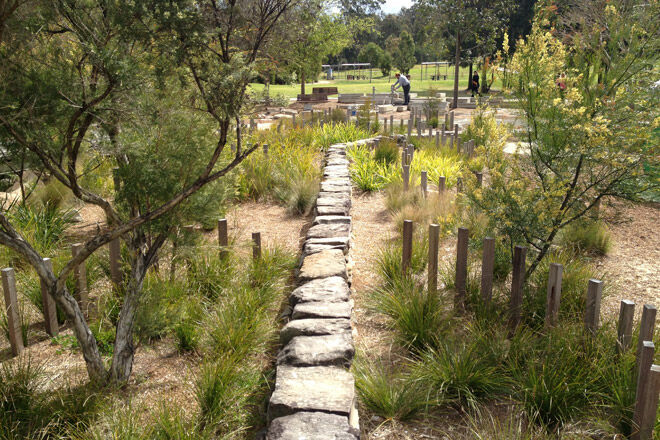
[(451, 120), (649, 406), (487, 267), (406, 254), (265, 149), (410, 124), (624, 330), (443, 138), (480, 179), (459, 185), (553, 298), (461, 268), (223, 238), (406, 177), (430, 131), (592, 313), (437, 139), (419, 127), (115, 255), (434, 239), (646, 326), (48, 303), (256, 245), (80, 274), (441, 184), (293, 121), (424, 183), (645, 361), (348, 114), (456, 134), (446, 126), (391, 125), (517, 283), (11, 307)]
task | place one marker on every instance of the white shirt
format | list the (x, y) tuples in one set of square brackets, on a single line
[(402, 80)]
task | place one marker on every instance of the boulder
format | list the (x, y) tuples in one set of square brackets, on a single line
[(329, 290), (329, 230), (314, 327), (324, 264), (311, 426), (312, 351), (322, 310)]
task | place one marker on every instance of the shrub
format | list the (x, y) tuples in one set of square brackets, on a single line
[(367, 173), (387, 152), (589, 237), (389, 257), (43, 225), (161, 308), (21, 403), (387, 393), (414, 314)]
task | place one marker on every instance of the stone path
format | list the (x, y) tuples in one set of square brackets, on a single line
[(314, 395)]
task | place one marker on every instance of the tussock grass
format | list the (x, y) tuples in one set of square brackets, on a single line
[(587, 237)]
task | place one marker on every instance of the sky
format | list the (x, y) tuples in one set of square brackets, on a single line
[(394, 6)]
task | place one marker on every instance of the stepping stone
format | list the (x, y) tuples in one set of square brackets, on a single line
[(326, 389), (314, 351), (323, 264), (336, 161), (328, 290), (314, 327), (322, 310), (331, 219), (334, 200), (310, 249), (329, 230), (311, 426), (332, 210), (336, 188)]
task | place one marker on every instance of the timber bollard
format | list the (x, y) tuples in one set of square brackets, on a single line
[(517, 283), (553, 298), (441, 184), (592, 313), (11, 307), (256, 245), (646, 326), (223, 238), (643, 422), (406, 253), (624, 328), (424, 183), (48, 304), (432, 275), (461, 268)]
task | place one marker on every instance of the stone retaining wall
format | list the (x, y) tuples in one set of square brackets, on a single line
[(314, 395)]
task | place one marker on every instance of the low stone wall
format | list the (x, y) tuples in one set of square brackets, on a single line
[(314, 395)]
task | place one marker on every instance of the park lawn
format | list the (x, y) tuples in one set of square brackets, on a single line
[(381, 83)]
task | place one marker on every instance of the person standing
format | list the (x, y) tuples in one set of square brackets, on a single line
[(475, 83), (402, 81)]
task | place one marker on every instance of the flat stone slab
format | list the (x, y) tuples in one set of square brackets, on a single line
[(334, 199), (336, 188), (332, 210), (323, 264), (310, 249), (331, 219), (326, 389), (329, 290), (331, 230), (311, 426), (314, 327), (312, 351), (322, 310), (332, 161)]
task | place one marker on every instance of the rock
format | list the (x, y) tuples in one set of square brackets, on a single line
[(329, 290), (337, 161), (329, 230), (322, 310), (314, 327), (333, 188), (311, 426), (310, 249), (335, 200), (332, 210), (326, 389), (331, 219), (77, 218), (312, 351), (323, 264)]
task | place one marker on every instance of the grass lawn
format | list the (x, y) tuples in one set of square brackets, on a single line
[(381, 83)]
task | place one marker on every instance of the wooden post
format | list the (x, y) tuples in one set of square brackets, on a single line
[(646, 326), (517, 283), (279, 127), (441, 184), (642, 393), (410, 124), (461, 268), (80, 274), (223, 238), (406, 177), (592, 314), (115, 254), (265, 149), (251, 125), (293, 121), (419, 127), (437, 139), (384, 125), (406, 254), (649, 406), (430, 131), (432, 276), (424, 183), (480, 179), (553, 298), (456, 139), (256, 245), (391, 125), (624, 329), (48, 304), (451, 120), (348, 114), (487, 267), (459, 185), (404, 156), (446, 126), (443, 138), (11, 307)]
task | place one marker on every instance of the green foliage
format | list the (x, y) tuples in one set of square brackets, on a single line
[(587, 237), (388, 261), (23, 322), (393, 395), (404, 55), (162, 304), (385, 63), (387, 152), (42, 225), (371, 53)]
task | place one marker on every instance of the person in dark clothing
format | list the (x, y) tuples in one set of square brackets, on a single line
[(402, 81), (475, 84)]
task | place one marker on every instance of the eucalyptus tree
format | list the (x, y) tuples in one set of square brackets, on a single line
[(153, 88)]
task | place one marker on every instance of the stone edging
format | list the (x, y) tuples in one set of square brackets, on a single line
[(314, 395)]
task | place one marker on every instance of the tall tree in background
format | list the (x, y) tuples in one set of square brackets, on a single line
[(359, 8), (471, 24), (404, 53)]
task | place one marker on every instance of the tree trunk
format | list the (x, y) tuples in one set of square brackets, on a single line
[(457, 62), (302, 83), (469, 81)]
